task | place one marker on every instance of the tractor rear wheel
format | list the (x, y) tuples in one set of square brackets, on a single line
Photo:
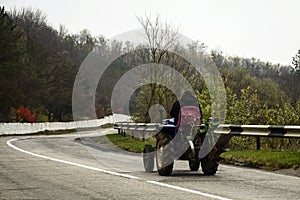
[(209, 163)]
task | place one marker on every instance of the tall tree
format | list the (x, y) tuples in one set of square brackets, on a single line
[(12, 58), (296, 61)]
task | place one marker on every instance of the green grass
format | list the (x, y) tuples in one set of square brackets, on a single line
[(269, 160), (129, 144)]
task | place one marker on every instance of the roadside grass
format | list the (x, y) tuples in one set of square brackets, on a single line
[(130, 144), (263, 159)]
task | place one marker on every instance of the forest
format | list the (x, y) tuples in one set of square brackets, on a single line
[(38, 66)]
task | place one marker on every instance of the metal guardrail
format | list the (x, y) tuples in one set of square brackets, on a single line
[(224, 129), (136, 129), (259, 130)]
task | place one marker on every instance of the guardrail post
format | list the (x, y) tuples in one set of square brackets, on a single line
[(257, 143), (161, 115)]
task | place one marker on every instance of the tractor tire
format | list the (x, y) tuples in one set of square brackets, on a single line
[(194, 162), (209, 163), (194, 165), (148, 158), (164, 154)]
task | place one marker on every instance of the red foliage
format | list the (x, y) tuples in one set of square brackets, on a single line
[(25, 115)]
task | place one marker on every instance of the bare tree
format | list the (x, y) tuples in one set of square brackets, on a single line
[(161, 37)]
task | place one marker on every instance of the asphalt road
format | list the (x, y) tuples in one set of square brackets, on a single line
[(63, 167)]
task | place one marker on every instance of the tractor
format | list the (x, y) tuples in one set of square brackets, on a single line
[(174, 143)]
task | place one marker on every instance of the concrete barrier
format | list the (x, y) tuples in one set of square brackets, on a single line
[(29, 128)]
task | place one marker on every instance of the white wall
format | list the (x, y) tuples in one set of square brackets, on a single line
[(24, 128)]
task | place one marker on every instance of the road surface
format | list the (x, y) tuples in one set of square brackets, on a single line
[(63, 167)]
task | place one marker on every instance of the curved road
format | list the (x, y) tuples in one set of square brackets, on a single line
[(63, 167)]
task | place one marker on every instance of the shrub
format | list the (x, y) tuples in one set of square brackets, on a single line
[(25, 115)]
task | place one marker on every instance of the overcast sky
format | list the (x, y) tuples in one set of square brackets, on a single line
[(265, 29)]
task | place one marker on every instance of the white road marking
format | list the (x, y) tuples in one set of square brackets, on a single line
[(69, 163), (9, 143)]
